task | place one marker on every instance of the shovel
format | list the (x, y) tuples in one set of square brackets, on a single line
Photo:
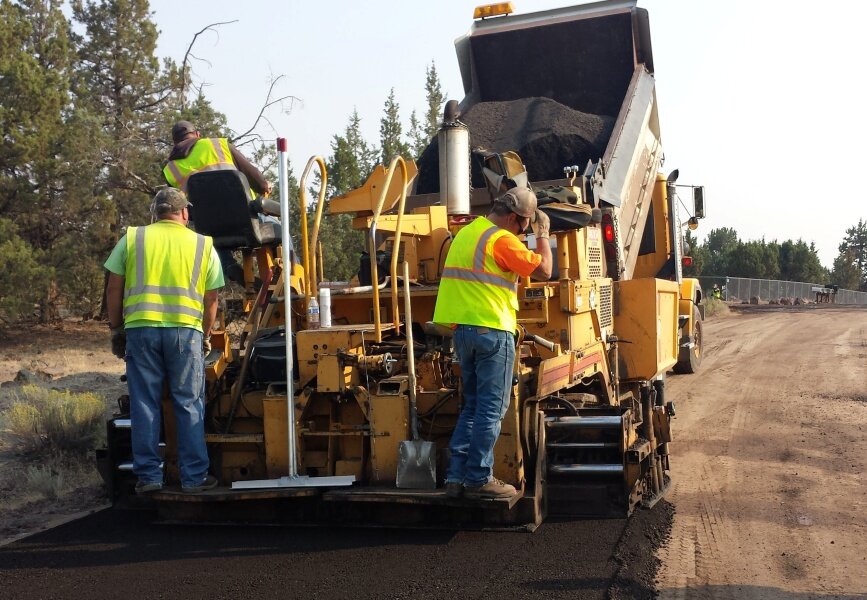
[(416, 467)]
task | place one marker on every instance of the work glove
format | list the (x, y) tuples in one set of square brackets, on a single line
[(542, 226), (206, 345), (118, 341)]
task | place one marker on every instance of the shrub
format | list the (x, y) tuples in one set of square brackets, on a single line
[(44, 481), (714, 307), (54, 420), (25, 277)]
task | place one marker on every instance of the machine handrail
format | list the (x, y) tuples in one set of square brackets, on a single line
[(308, 245), (374, 271)]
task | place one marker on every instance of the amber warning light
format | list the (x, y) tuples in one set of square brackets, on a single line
[(493, 10)]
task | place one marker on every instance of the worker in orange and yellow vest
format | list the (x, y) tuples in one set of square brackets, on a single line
[(478, 298)]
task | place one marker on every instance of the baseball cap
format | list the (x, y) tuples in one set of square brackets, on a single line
[(181, 129), (169, 200), (520, 201)]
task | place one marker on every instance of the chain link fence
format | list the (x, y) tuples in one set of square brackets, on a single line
[(741, 289)]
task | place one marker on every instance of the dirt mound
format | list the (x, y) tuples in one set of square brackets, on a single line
[(546, 134)]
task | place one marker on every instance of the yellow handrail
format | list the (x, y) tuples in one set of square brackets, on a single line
[(308, 246), (374, 270)]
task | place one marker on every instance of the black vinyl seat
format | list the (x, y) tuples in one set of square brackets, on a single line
[(221, 209)]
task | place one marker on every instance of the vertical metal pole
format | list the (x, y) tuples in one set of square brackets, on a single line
[(410, 351), (283, 180)]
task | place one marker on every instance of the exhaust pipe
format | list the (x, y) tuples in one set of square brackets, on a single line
[(453, 139)]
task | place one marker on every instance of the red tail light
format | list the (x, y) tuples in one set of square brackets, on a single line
[(687, 261), (608, 232)]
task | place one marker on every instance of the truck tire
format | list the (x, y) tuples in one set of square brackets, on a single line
[(689, 359)]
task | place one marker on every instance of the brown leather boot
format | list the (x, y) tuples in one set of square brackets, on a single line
[(493, 489)]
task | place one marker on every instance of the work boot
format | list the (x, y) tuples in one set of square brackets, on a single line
[(454, 489), (146, 488), (209, 483), (493, 489)]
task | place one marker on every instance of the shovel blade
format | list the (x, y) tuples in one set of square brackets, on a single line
[(417, 467)]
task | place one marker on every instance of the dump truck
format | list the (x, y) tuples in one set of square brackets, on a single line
[(338, 401)]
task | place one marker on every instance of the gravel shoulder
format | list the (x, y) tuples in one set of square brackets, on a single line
[(71, 356)]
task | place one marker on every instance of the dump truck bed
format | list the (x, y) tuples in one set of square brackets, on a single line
[(571, 86)]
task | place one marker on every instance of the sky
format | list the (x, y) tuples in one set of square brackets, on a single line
[(759, 101)]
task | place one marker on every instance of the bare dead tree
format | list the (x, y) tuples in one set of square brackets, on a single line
[(185, 64), (269, 102)]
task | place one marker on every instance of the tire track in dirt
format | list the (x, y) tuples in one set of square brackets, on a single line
[(753, 468)]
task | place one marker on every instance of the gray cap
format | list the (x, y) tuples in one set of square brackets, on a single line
[(520, 201), (181, 129), (169, 200)]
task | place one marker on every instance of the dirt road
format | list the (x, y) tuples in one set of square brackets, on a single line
[(771, 455)]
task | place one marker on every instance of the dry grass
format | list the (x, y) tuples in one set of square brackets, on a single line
[(715, 308), (45, 481), (41, 419)]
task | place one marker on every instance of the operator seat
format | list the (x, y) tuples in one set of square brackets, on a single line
[(221, 209)]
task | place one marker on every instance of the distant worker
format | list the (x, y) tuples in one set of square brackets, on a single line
[(717, 293), (477, 297), (193, 154), (163, 284)]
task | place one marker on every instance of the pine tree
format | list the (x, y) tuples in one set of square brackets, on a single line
[(352, 158), (391, 132), (51, 158), (435, 101), (846, 273), (418, 139), (121, 81), (351, 162), (800, 262), (851, 262), (719, 246)]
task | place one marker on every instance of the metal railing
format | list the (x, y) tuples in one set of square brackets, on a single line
[(741, 289)]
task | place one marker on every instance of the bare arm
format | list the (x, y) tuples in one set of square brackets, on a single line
[(114, 300), (543, 271), (210, 315)]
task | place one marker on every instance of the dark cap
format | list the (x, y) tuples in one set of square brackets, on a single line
[(181, 129), (169, 200), (520, 201)]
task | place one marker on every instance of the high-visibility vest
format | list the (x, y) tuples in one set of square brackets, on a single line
[(474, 290), (207, 154), (166, 273)]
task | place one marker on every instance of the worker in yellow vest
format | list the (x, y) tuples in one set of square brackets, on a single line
[(477, 297), (191, 154), (162, 294)]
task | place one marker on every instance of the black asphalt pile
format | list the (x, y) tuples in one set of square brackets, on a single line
[(546, 135)]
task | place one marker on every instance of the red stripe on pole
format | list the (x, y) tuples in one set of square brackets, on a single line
[(281, 144)]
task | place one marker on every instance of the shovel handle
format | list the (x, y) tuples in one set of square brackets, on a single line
[(410, 351)]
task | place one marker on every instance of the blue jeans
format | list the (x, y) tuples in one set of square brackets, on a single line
[(487, 358), (172, 354)]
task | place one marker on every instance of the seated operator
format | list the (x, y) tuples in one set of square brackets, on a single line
[(193, 154)]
